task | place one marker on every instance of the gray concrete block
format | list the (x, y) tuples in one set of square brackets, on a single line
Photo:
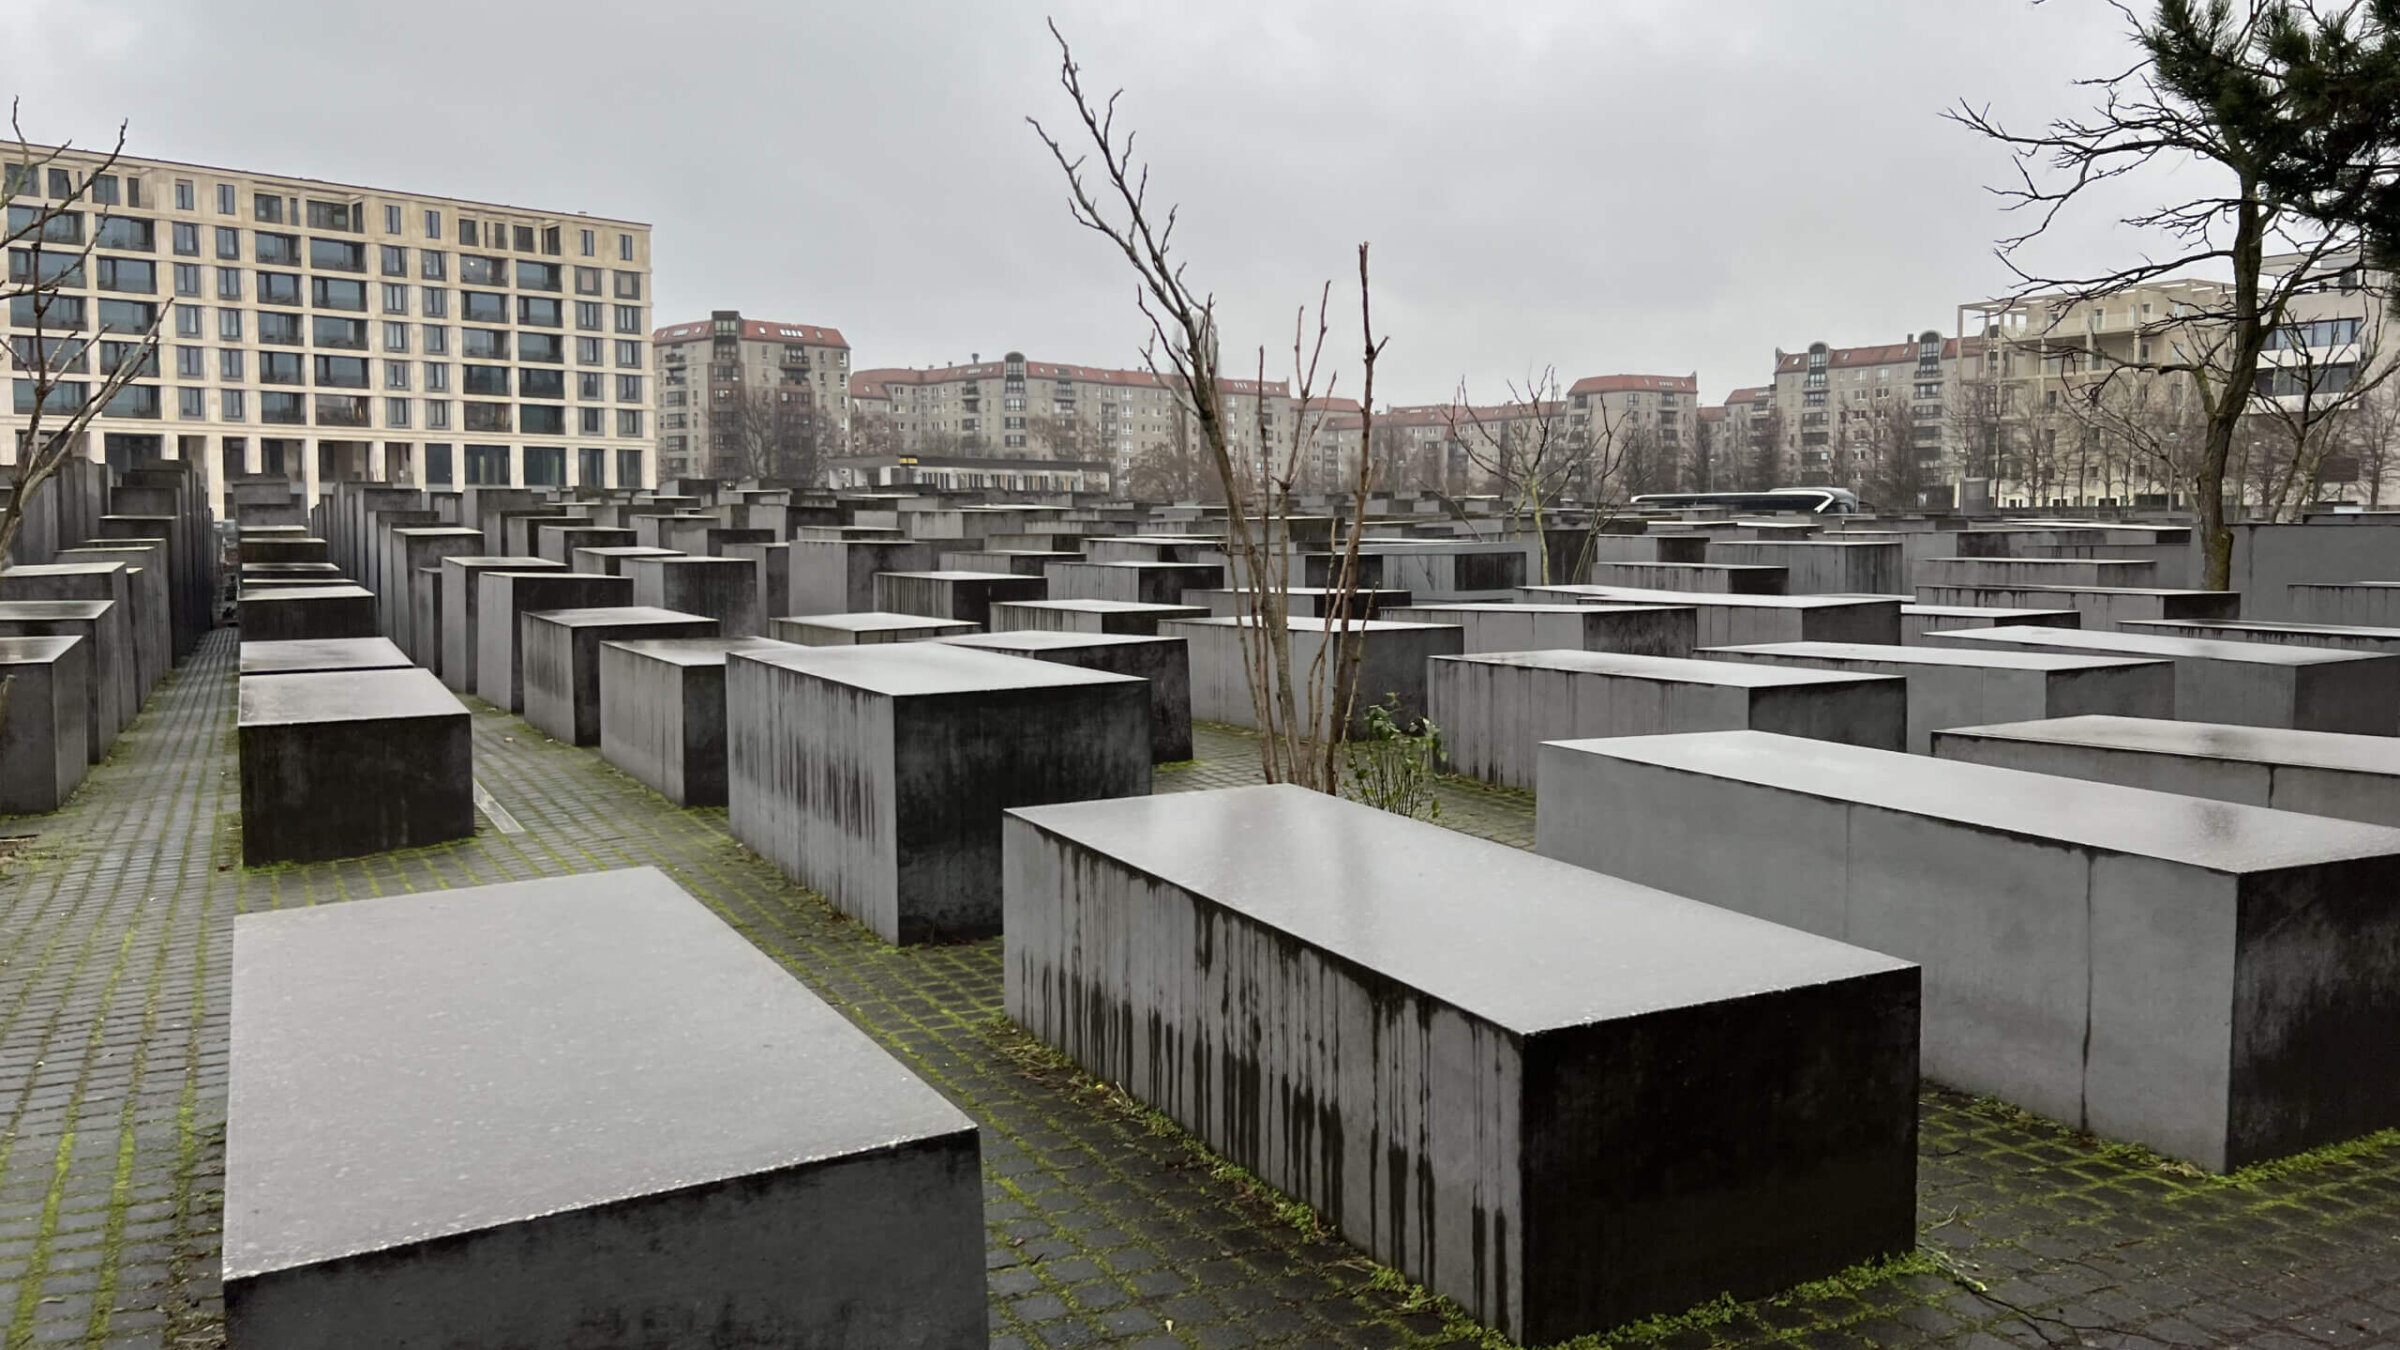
[(1917, 620), (2319, 773), (609, 560), (1640, 630), (837, 576), (562, 660), (45, 742), (1744, 620), (1133, 583), (105, 696), (1821, 566), (2356, 604), (858, 630), (1433, 571), (310, 656), (146, 588), (1949, 687), (425, 618), (876, 775), (1086, 616), (559, 541), (2103, 607), (1018, 562), (1717, 578), (773, 560), (747, 1167), (965, 596), (504, 599), (1172, 548), (1452, 1049), (92, 583), (1163, 661), (462, 612), (1495, 710), (2208, 979), (406, 552), (662, 713), (2111, 573), (2245, 683), (724, 589), (345, 763), (1303, 602), (1389, 667), (520, 531), (258, 547), (292, 613)]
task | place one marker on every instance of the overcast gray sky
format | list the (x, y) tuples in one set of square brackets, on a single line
[(1606, 185)]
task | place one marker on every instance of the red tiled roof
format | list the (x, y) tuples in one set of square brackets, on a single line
[(1712, 414), (1627, 384), (1043, 370), (755, 330), (1842, 358), (1757, 393)]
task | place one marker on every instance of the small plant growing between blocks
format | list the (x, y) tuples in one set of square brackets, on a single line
[(1392, 768)]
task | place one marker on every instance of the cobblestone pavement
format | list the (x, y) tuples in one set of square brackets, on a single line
[(114, 925)]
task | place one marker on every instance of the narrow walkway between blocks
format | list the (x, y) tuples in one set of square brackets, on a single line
[(115, 925)]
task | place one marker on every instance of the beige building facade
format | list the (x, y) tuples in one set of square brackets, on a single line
[(800, 371), (1854, 416), (325, 331)]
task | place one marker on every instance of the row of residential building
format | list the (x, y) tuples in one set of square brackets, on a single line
[(320, 330)]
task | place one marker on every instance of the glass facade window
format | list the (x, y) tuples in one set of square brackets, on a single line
[(437, 464), (279, 288), (394, 259), (486, 343), (225, 202), (625, 248), (327, 331), (191, 404), (279, 328), (468, 234), (65, 396), (127, 316), (395, 298), (524, 238), (395, 337), (186, 199), (487, 466), (233, 405), (537, 276), (343, 410), (591, 467), (337, 255), (433, 224), (482, 307), (187, 321), (587, 351), (191, 363), (485, 381), (629, 469), (539, 383), (229, 243), (103, 188), (488, 417), (587, 280), (341, 372), (125, 234), (589, 316), (338, 293), (56, 312), (432, 265), (474, 269), (590, 243), (537, 311), (187, 239), (281, 250), (229, 365), (391, 220), (587, 386), (280, 368), (395, 374), (629, 389), (62, 269), (629, 422), (229, 325), (333, 216), (187, 279), (629, 355), (545, 347), (629, 318), (437, 339), (142, 357), (64, 227), (545, 466), (137, 275), (437, 414), (395, 412), (542, 419), (592, 421), (58, 355), (134, 400), (629, 285)]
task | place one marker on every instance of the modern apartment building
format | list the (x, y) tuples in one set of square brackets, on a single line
[(326, 331), (2073, 410), (1856, 416), (1017, 408), (732, 389)]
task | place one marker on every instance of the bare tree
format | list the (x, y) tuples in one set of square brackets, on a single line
[(1527, 449), (2308, 403), (2209, 88), (770, 433), (1110, 197), (49, 249), (1888, 471), (1174, 469)]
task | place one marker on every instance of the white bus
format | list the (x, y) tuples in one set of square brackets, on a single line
[(1828, 501)]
